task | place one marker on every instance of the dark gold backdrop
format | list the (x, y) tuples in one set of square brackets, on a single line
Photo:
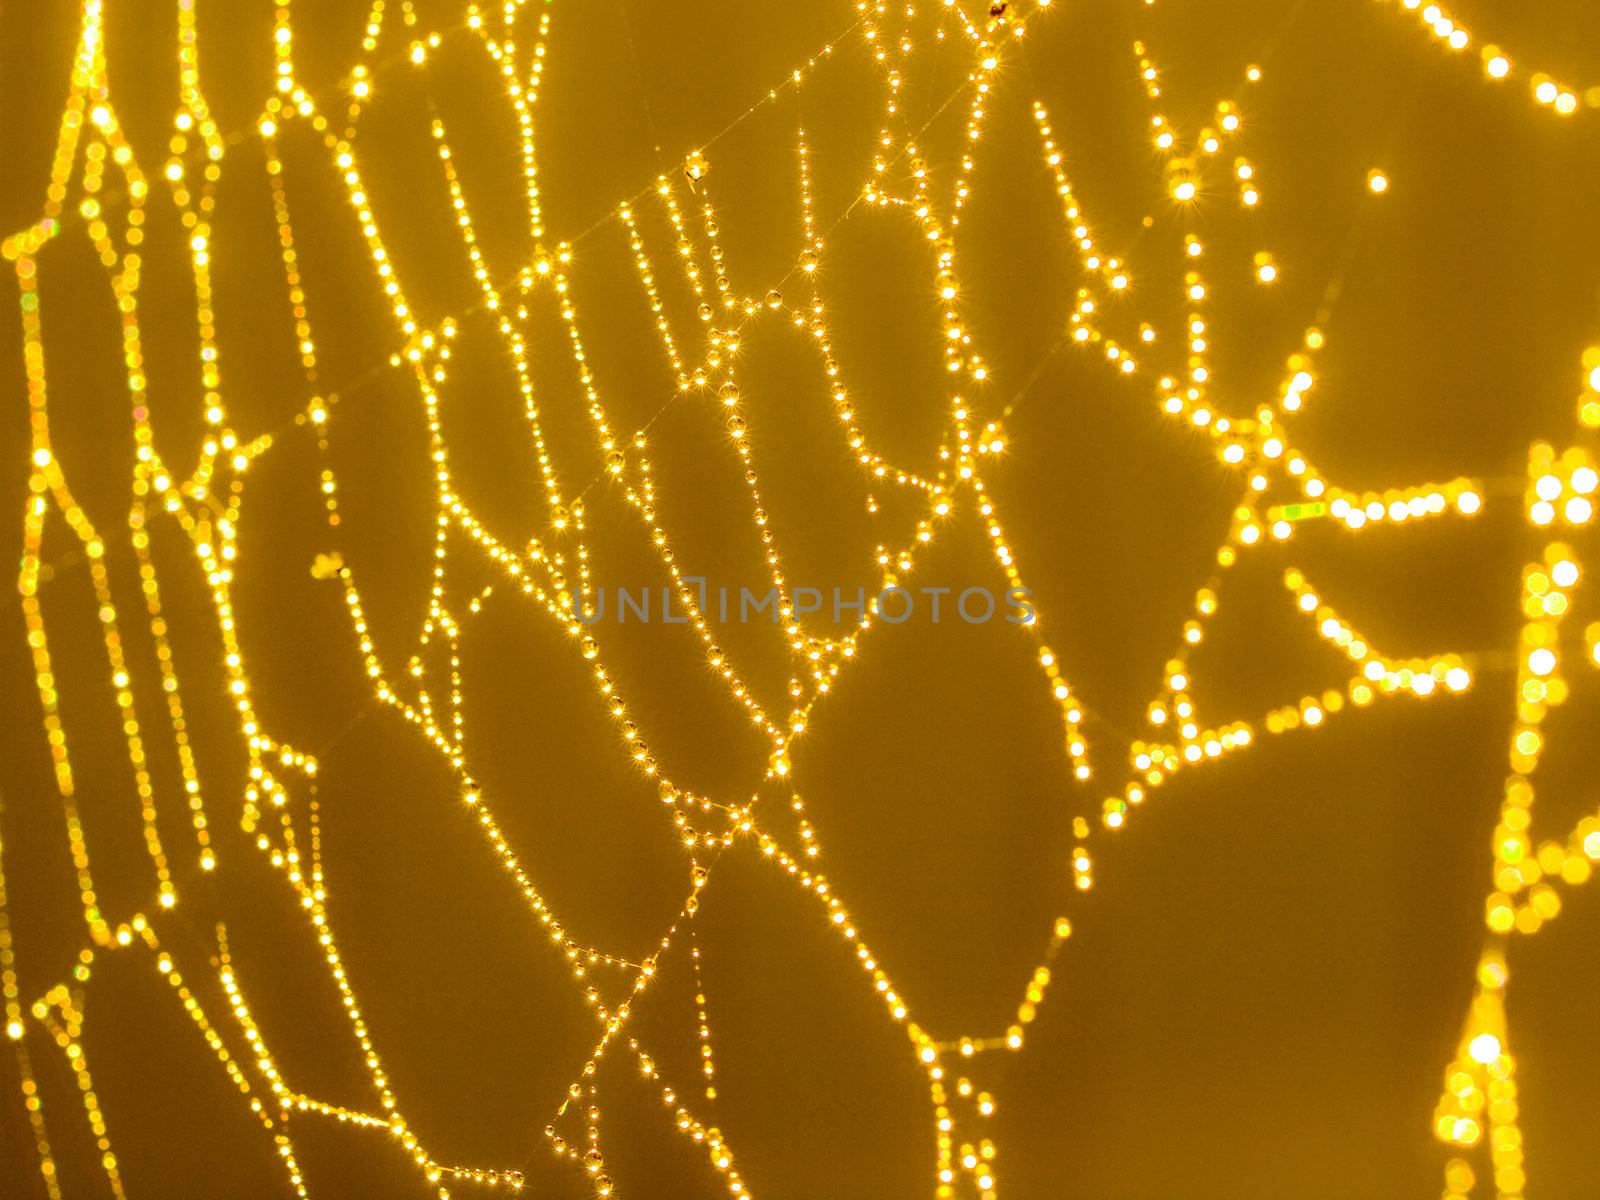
[(1263, 989)]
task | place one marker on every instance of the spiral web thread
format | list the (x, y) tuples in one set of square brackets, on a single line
[(100, 191)]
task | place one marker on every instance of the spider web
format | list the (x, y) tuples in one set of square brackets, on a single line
[(511, 327)]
